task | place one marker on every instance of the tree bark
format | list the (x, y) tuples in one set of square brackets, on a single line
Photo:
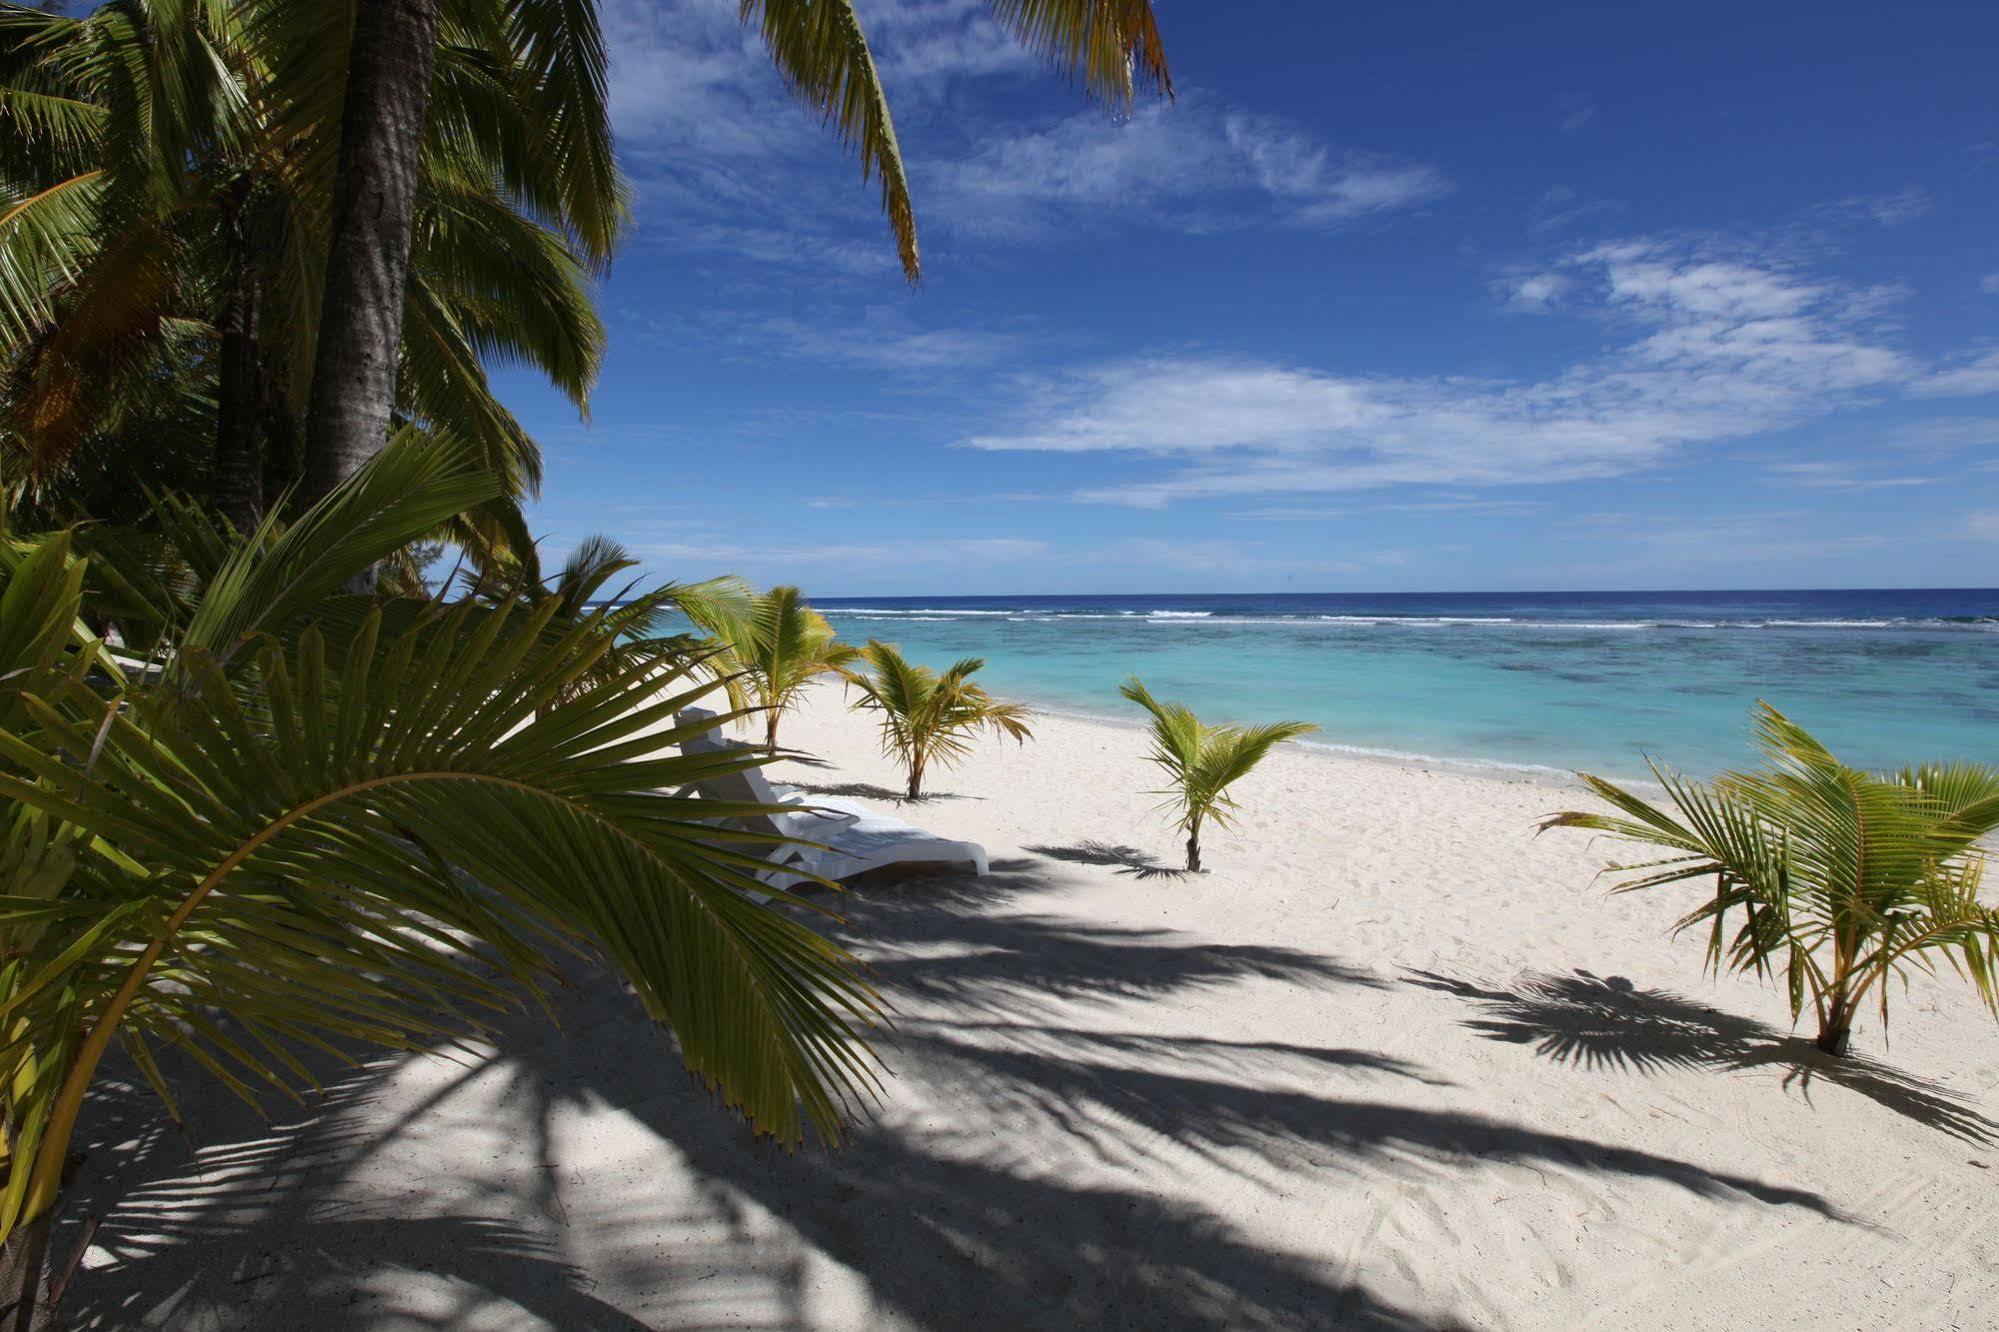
[(770, 733), (1836, 1031), (1194, 849), (238, 485), (367, 266), (916, 779)]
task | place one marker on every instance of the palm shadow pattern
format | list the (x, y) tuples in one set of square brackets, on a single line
[(1610, 1022), (1132, 860), (870, 791), (974, 1219)]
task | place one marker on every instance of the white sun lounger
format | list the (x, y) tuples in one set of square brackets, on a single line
[(853, 837)]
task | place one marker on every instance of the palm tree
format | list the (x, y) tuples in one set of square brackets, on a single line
[(390, 61), (1202, 762), (1844, 879), (325, 817), (195, 290), (779, 645), (819, 46), (926, 716)]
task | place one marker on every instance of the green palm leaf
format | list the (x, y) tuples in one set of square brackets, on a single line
[(1835, 877), (1202, 762), (929, 717)]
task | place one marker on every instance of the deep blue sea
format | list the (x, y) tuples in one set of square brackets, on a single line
[(1558, 680)]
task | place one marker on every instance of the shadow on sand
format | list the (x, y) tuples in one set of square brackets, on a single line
[(1130, 860), (976, 1212), (869, 791), (1609, 1022)]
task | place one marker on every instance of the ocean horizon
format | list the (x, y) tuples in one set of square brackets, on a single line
[(1524, 681)]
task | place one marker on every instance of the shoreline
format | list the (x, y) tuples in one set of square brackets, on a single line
[(1499, 770), (1540, 775)]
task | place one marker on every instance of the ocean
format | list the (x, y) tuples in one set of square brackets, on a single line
[(1526, 681)]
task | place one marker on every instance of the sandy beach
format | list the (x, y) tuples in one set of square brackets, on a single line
[(1393, 1062)]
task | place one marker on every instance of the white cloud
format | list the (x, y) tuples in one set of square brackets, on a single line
[(1982, 525), (1535, 293), (1715, 348), (1232, 559), (883, 342), (1460, 504), (1954, 431), (1973, 378), (1991, 284), (1840, 476), (1189, 164), (722, 154), (910, 553), (1888, 210)]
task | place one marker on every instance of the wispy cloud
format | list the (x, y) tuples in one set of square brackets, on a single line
[(1888, 210), (1982, 525), (883, 341), (1970, 378), (1459, 504), (1698, 540), (1234, 559), (1990, 284), (1840, 476), (1953, 432), (844, 553), (1716, 346), (1534, 293), (722, 153), (1576, 110), (1191, 165)]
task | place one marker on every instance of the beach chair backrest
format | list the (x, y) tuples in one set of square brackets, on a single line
[(748, 787)]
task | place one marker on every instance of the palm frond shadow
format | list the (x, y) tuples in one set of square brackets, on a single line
[(1132, 860), (1610, 1022), (870, 791), (947, 1223), (261, 1212)]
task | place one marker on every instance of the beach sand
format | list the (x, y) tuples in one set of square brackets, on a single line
[(1394, 1061)]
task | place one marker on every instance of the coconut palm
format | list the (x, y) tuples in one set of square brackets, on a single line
[(820, 48), (1843, 879), (327, 820), (928, 717), (1202, 762), (168, 250), (779, 645)]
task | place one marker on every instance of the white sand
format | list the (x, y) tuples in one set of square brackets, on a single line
[(1394, 1062)]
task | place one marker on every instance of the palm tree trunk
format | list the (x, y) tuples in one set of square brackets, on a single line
[(1836, 1010), (1194, 847), (916, 778), (238, 486), (770, 732), (24, 1276), (1836, 1028), (367, 266)]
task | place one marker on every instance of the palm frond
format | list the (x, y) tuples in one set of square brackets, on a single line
[(822, 52), (408, 488), (1835, 877), (1112, 46)]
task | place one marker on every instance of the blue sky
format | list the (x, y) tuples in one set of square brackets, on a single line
[(1425, 296)]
